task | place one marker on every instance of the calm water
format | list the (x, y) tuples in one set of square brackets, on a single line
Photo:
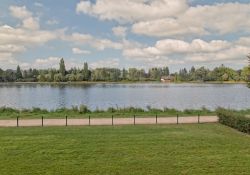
[(179, 96)]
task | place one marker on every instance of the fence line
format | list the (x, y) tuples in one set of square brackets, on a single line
[(135, 120)]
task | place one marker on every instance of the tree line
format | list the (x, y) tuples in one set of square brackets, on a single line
[(221, 73)]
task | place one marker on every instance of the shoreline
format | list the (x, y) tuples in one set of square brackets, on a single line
[(84, 112), (120, 82)]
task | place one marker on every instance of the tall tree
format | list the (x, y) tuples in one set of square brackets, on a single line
[(62, 69), (165, 71), (248, 76), (124, 74), (18, 73), (86, 74)]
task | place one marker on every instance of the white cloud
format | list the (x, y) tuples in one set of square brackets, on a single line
[(97, 43), (102, 44), (11, 48), (80, 51), (235, 54), (164, 18), (119, 31), (38, 4), (16, 40), (166, 27), (131, 10), (52, 22), (53, 62), (171, 46), (199, 20), (23, 37), (105, 63), (197, 51), (50, 62), (20, 12), (243, 41), (31, 23)]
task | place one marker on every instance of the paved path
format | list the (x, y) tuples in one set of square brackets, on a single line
[(106, 121)]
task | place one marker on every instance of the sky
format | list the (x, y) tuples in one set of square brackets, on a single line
[(124, 33)]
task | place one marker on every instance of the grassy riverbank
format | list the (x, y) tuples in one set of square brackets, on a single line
[(170, 149), (84, 112), (125, 82)]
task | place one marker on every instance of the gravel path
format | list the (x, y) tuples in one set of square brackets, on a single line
[(107, 121)]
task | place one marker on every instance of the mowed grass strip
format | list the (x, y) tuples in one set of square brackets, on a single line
[(155, 149)]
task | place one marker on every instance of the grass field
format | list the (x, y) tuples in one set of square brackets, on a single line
[(159, 149)]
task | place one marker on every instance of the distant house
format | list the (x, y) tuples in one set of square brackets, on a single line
[(167, 79)]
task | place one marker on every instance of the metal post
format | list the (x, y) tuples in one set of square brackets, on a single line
[(198, 117), (156, 118), (112, 120), (42, 121), (17, 121), (89, 120), (177, 119), (66, 120), (134, 119)]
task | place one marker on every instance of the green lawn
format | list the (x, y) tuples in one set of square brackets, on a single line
[(136, 150)]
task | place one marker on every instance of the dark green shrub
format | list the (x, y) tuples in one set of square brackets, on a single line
[(170, 110), (39, 110), (130, 109), (234, 120), (8, 109), (97, 110), (191, 111), (62, 110), (154, 110), (74, 108), (83, 109), (111, 109)]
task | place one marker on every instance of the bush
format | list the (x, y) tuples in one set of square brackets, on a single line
[(8, 109), (234, 120), (170, 110), (74, 108), (130, 109), (83, 109), (62, 110), (111, 109), (39, 110)]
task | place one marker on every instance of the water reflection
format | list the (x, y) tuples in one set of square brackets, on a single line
[(102, 96)]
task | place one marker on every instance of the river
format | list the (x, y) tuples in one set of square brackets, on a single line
[(102, 96)]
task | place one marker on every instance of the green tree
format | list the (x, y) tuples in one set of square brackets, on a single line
[(155, 73), (41, 78), (86, 72), (183, 74), (223, 73), (19, 73), (59, 77), (201, 74), (133, 74), (71, 77), (124, 74), (1, 75), (79, 77), (165, 71), (62, 69), (248, 75), (192, 74)]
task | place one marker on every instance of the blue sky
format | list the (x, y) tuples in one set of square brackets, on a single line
[(117, 33)]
